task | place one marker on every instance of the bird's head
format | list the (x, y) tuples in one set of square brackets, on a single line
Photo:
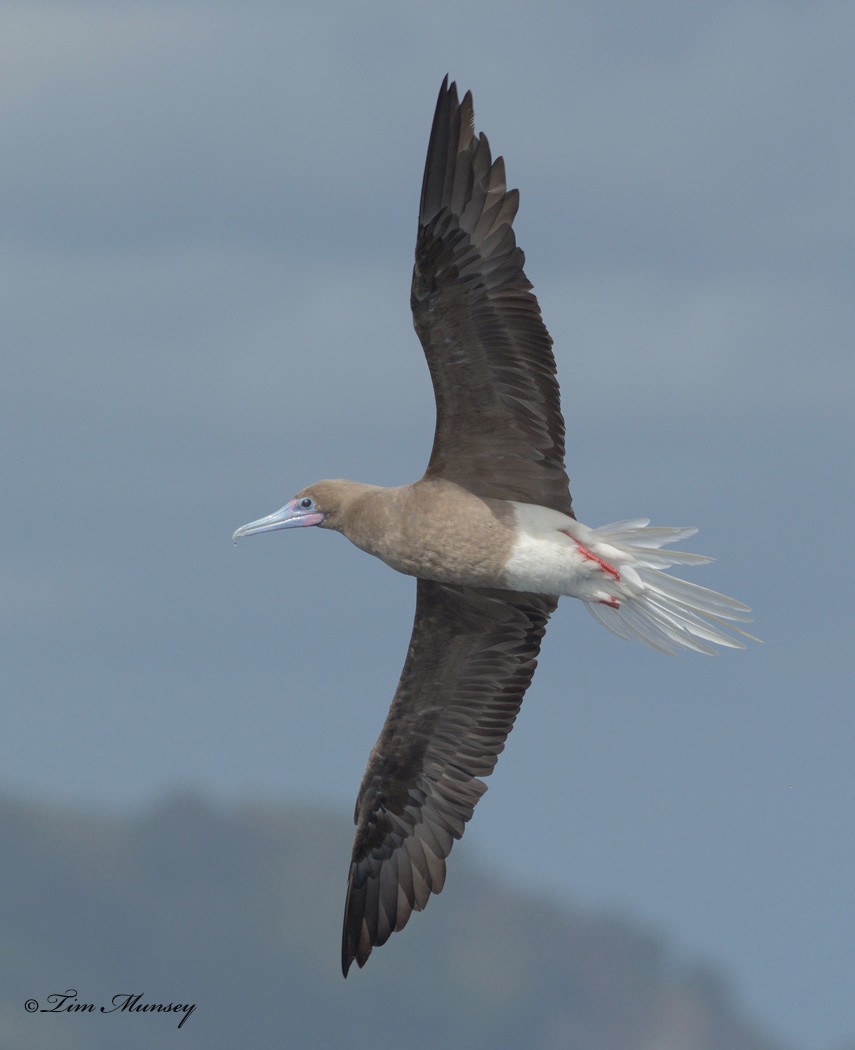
[(323, 503), (303, 509)]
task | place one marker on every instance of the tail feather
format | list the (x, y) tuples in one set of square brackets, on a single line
[(662, 610), (638, 538)]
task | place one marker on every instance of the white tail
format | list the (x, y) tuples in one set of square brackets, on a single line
[(661, 610)]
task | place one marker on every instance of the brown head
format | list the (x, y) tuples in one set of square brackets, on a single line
[(326, 503)]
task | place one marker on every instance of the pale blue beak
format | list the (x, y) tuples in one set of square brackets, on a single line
[(288, 517)]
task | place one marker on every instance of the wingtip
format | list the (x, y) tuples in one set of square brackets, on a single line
[(447, 87), (353, 946), (349, 956)]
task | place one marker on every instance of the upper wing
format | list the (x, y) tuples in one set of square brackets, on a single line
[(471, 658), (499, 429)]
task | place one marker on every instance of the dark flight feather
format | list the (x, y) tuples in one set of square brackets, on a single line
[(499, 428), (471, 658), (499, 433)]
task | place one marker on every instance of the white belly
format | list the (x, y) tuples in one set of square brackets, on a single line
[(616, 571), (554, 554)]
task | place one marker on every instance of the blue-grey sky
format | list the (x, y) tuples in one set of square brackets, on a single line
[(207, 215)]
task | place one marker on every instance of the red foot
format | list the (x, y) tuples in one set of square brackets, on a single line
[(612, 603), (589, 554)]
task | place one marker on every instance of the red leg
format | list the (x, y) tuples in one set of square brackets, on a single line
[(589, 554)]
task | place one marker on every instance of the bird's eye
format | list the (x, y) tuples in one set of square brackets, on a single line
[(305, 503)]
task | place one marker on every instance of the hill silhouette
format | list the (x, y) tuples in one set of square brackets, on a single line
[(237, 909)]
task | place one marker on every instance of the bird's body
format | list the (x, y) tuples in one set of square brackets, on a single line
[(438, 530), (490, 534), (434, 529)]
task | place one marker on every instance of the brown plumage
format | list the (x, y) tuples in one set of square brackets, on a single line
[(471, 658), (499, 429), (499, 436), (488, 525)]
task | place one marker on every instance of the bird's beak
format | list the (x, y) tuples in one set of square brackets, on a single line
[(287, 517)]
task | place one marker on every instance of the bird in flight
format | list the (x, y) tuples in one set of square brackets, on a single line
[(490, 535)]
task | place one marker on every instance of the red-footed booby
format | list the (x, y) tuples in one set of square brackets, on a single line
[(490, 534)]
